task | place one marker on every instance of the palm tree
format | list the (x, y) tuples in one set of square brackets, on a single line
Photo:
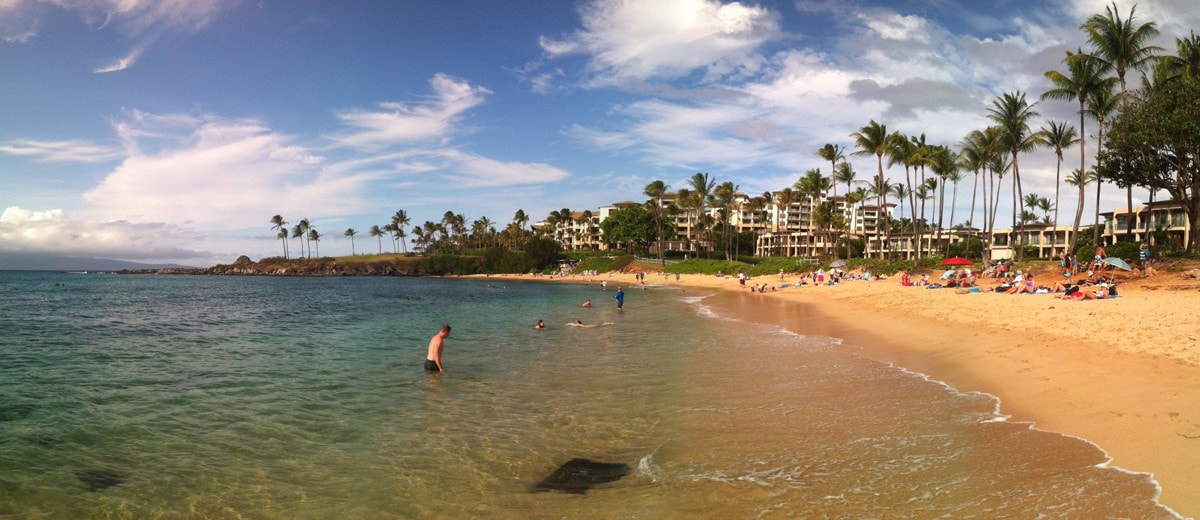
[(1012, 113), (944, 164), (1101, 104), (702, 186), (999, 167), (314, 237), (399, 236), (813, 186), (971, 159), (300, 230), (1186, 61), (399, 220), (1122, 45), (1085, 79), (832, 153), (900, 191), (723, 199), (1057, 136), (873, 140), (278, 224), (378, 234), (784, 201), (350, 232), (655, 191), (1078, 179)]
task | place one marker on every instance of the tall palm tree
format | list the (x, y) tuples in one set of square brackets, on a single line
[(784, 201), (300, 230), (812, 185), (845, 174), (314, 237), (971, 159), (1122, 44), (832, 153), (278, 224), (999, 167), (378, 234), (873, 140), (944, 163), (1085, 77), (1101, 104), (904, 151), (1080, 180), (399, 220), (702, 186), (722, 199), (1013, 114), (350, 232), (1056, 136), (655, 191), (399, 235)]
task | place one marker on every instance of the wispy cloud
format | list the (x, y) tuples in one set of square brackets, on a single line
[(404, 123), (61, 151), (121, 64)]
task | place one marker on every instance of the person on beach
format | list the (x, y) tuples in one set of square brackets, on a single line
[(587, 304), (433, 359), (620, 298)]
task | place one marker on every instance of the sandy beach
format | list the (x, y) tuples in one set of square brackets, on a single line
[(1122, 372)]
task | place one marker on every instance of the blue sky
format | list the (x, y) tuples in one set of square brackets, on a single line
[(172, 130)]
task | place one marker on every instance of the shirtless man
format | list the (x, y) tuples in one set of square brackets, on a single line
[(433, 360)]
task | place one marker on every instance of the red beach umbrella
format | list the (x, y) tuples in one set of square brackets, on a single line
[(958, 260)]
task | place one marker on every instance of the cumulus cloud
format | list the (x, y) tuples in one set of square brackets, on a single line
[(55, 232), (401, 123), (214, 172), (650, 40)]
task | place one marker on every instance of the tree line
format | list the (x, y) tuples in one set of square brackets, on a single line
[(1152, 143)]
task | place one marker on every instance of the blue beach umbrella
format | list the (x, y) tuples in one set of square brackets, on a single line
[(1117, 262)]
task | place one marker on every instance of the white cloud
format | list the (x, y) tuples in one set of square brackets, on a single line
[(121, 64), (663, 39), (60, 151), (215, 172), (55, 232), (476, 171), (400, 123)]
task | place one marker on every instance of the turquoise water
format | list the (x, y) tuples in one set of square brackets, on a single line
[(128, 396)]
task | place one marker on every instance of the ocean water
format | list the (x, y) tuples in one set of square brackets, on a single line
[(129, 396)]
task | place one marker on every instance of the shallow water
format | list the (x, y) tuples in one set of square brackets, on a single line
[(227, 397)]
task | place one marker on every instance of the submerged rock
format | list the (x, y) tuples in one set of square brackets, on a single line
[(580, 475), (99, 480)]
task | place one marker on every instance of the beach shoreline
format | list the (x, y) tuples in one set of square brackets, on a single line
[(1120, 373)]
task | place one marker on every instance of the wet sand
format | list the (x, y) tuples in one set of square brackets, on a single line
[(1123, 373)]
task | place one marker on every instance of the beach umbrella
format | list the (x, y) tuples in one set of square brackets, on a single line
[(838, 263), (958, 260), (1117, 262)]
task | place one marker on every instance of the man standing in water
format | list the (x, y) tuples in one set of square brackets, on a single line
[(433, 360), (620, 298)]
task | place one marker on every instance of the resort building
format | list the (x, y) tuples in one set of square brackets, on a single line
[(1162, 223), (790, 229)]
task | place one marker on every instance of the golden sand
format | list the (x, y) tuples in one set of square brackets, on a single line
[(1123, 373)]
